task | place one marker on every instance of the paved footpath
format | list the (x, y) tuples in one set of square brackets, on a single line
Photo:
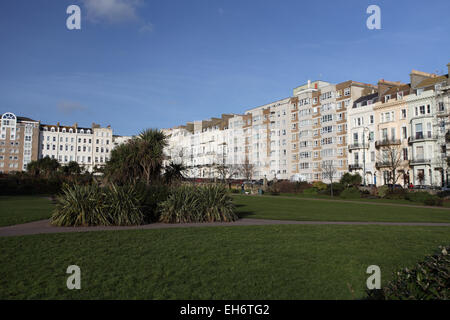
[(43, 226)]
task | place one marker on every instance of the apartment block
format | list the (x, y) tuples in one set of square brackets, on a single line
[(319, 127), (89, 147), (428, 124), (19, 138)]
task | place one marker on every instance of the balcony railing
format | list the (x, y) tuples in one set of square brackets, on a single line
[(381, 164), (358, 146), (419, 161), (354, 166), (421, 136), (387, 142)]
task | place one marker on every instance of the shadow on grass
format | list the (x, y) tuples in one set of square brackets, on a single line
[(243, 214)]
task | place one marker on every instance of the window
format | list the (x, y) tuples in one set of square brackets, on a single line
[(403, 113), (419, 133), (346, 91), (405, 153)]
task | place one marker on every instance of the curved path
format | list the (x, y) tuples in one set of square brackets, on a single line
[(43, 226)]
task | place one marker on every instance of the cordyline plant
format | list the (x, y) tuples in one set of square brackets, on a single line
[(428, 280)]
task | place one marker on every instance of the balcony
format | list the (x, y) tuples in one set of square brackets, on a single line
[(419, 161), (387, 142), (421, 136), (357, 146), (382, 164), (355, 166)]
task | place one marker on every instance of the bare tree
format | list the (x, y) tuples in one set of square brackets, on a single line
[(329, 172), (391, 158), (247, 170), (225, 171)]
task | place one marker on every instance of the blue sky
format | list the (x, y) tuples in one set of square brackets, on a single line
[(137, 64)]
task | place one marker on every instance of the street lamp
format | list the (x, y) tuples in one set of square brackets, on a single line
[(364, 154)]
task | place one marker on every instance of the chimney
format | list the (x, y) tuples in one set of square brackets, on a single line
[(448, 72), (418, 76), (309, 84)]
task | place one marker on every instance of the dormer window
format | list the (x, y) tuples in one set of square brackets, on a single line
[(399, 95), (387, 98), (52, 129), (419, 91), (64, 130)]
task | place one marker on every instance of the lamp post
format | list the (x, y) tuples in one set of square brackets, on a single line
[(364, 154)]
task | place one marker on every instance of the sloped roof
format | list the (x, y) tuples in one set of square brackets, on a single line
[(432, 81)]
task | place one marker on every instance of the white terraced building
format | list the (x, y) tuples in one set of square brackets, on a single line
[(89, 147)]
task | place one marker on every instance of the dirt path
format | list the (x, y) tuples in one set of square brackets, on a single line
[(43, 226), (354, 201)]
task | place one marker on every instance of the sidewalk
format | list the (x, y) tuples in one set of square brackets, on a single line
[(44, 227)]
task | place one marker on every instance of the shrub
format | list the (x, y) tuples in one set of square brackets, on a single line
[(425, 198), (351, 193), (150, 197), (428, 280), (216, 204), (337, 188), (292, 187), (198, 204), (396, 194), (319, 186), (181, 206), (383, 191), (310, 191), (349, 179), (94, 206)]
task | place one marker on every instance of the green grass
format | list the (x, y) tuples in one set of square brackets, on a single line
[(312, 210), (22, 209), (258, 262), (368, 200)]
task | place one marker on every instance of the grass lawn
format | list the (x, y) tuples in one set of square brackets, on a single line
[(22, 209), (266, 207), (258, 262), (328, 197)]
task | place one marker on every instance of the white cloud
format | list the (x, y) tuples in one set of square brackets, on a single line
[(146, 27), (112, 11)]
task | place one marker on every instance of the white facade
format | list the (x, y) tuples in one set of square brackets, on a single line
[(89, 147)]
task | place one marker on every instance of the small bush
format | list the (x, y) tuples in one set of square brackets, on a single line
[(94, 206), (292, 187), (396, 194), (151, 196), (310, 191), (351, 193), (337, 188), (425, 198), (198, 204), (383, 191), (319, 186), (428, 280)]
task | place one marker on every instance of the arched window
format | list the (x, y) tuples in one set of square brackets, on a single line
[(52, 129), (89, 131), (81, 131), (64, 130), (70, 130), (9, 119)]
